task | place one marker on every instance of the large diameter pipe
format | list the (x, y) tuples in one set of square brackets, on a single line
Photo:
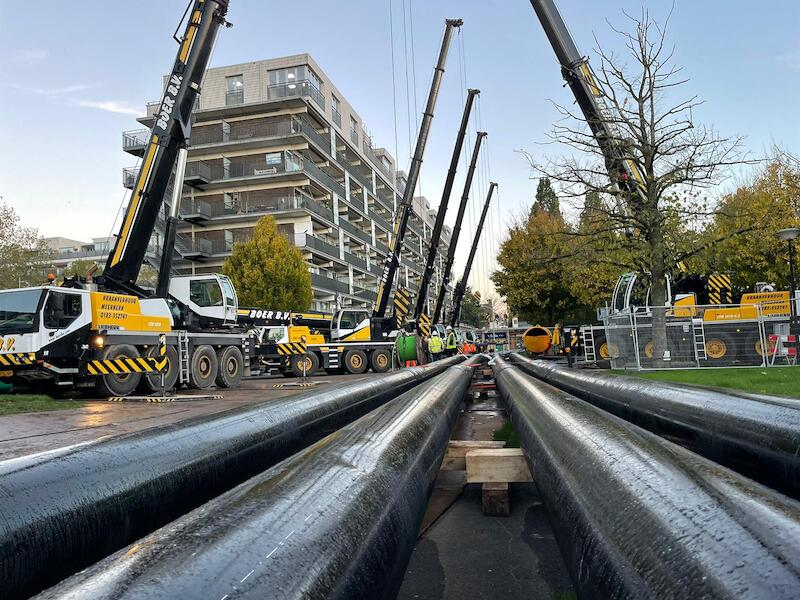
[(760, 439), (637, 516), (61, 511), (337, 520)]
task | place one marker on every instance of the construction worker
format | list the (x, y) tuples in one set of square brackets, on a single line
[(451, 345), (436, 345)]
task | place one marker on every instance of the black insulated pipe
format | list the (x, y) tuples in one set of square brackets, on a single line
[(759, 439), (337, 520), (637, 516), (61, 511)]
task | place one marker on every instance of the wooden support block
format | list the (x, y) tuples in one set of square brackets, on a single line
[(457, 449), (496, 465), (495, 499)]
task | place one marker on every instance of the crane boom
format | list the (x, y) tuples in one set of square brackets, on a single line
[(461, 286), (436, 234), (587, 91), (404, 210), (168, 136), (451, 252)]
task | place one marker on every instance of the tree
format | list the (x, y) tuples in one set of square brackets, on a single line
[(754, 212), (80, 267), (269, 271), (471, 311), (532, 276), (655, 135), (24, 254), (546, 198)]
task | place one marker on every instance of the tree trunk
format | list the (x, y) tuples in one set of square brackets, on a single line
[(658, 295)]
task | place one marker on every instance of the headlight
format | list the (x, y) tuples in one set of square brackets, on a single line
[(98, 341)]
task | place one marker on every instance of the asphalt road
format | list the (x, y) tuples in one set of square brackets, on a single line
[(30, 433)]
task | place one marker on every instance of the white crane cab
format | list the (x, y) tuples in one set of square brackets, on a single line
[(211, 298)]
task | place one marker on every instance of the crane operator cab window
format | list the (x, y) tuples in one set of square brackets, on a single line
[(205, 292), (61, 309), (350, 319)]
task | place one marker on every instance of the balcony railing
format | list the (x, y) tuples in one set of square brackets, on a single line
[(129, 175), (336, 116), (135, 141), (255, 206), (327, 283), (323, 177), (361, 179), (234, 97), (197, 172), (304, 240), (297, 89), (354, 231), (151, 108)]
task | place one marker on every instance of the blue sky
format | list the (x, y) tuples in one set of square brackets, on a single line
[(75, 75)]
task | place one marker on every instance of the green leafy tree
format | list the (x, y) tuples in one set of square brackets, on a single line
[(24, 255), (741, 239), (546, 198), (471, 311), (269, 271), (80, 267), (533, 276)]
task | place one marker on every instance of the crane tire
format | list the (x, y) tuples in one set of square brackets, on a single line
[(203, 368), (355, 361), (118, 384), (380, 360), (151, 382), (231, 367)]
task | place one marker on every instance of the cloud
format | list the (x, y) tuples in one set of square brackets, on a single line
[(55, 91), (111, 106), (30, 56)]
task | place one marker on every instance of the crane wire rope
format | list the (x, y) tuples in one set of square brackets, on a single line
[(394, 99)]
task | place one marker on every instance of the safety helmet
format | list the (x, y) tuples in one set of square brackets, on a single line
[(449, 328)]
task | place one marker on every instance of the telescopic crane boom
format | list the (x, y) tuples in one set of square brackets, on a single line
[(165, 149), (461, 286), (404, 210), (451, 252), (578, 75), (436, 234)]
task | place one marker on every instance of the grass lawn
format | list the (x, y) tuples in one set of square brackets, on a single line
[(11, 404), (778, 381)]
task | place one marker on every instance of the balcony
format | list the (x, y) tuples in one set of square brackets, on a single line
[(370, 152), (328, 284), (197, 173), (234, 97), (196, 211), (354, 260), (361, 179), (355, 232), (297, 89), (253, 203), (323, 178), (198, 249), (304, 240), (134, 142), (336, 116), (129, 175)]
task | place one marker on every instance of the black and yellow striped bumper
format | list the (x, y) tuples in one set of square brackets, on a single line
[(290, 348), (121, 366), (17, 359)]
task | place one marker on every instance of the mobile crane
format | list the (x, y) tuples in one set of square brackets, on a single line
[(113, 334), (377, 326), (633, 289)]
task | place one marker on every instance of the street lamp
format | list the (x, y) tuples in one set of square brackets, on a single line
[(790, 235)]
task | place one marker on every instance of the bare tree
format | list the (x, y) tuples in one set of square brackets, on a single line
[(670, 155)]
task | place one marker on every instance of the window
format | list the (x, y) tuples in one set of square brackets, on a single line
[(231, 201), (337, 116), (294, 162), (18, 311), (351, 318), (234, 90), (61, 309), (228, 240), (273, 159), (205, 292), (353, 130)]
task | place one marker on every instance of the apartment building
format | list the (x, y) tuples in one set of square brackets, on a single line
[(276, 137)]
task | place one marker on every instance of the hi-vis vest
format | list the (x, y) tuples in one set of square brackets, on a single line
[(435, 344), (451, 341)]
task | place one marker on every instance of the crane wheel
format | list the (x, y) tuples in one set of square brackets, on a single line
[(380, 360), (719, 347), (307, 361), (231, 367), (151, 382), (355, 361), (203, 368), (118, 384)]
